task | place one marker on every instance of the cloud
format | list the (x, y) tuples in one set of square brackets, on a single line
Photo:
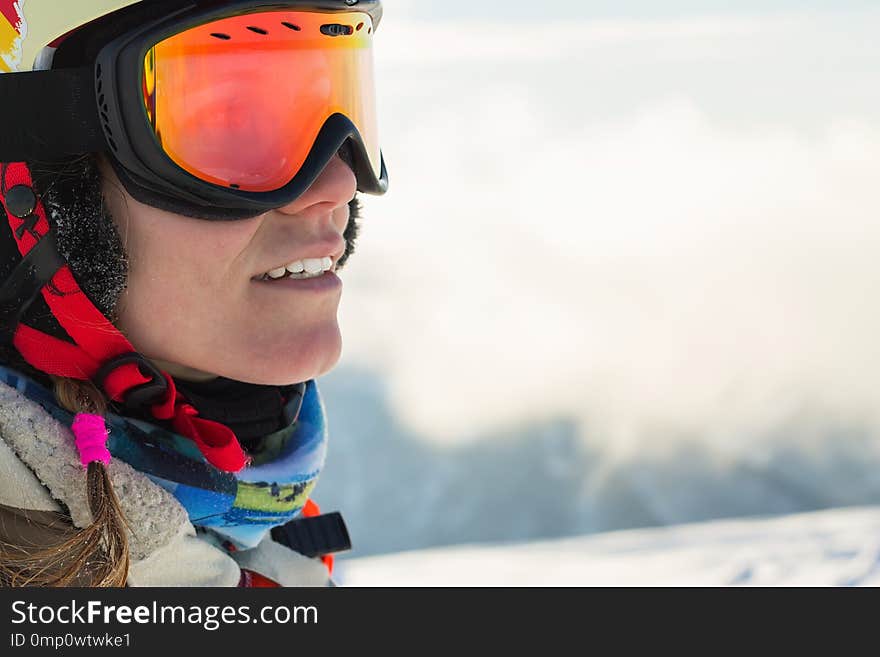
[(639, 254)]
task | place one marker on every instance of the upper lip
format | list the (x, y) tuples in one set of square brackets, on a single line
[(333, 246)]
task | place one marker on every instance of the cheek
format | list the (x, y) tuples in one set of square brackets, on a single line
[(190, 300), (183, 269), (160, 276)]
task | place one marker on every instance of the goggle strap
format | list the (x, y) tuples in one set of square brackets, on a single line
[(60, 117)]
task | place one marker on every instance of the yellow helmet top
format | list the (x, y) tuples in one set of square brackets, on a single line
[(28, 26)]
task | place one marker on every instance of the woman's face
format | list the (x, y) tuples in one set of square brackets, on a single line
[(194, 304)]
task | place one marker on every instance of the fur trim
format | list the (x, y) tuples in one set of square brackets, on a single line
[(47, 447)]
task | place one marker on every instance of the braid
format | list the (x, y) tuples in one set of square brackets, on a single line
[(94, 556)]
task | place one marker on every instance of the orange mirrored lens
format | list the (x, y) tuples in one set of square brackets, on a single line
[(238, 102)]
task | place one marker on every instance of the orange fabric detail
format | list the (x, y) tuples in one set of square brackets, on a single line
[(311, 509)]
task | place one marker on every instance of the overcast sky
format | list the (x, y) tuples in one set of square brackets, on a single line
[(578, 9)]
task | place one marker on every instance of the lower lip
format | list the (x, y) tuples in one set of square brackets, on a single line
[(326, 282)]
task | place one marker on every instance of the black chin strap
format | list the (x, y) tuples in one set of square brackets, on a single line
[(23, 285)]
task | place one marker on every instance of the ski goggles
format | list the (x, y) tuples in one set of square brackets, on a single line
[(226, 112)]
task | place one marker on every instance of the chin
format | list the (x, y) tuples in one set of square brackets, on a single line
[(288, 363)]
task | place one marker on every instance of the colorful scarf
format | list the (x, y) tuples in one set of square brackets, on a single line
[(241, 507)]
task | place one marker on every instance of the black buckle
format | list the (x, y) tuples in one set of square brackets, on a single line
[(22, 287), (314, 536), (293, 406), (140, 396)]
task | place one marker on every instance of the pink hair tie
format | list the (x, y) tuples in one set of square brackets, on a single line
[(91, 438)]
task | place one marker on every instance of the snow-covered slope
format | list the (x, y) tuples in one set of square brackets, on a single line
[(829, 548)]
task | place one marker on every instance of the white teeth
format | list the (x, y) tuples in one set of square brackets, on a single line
[(308, 268)]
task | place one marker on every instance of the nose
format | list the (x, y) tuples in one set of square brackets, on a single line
[(333, 188)]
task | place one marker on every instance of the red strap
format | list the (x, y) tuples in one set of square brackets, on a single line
[(98, 341), (97, 338), (252, 580), (216, 441), (51, 355)]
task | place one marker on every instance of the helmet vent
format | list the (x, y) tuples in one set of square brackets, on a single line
[(220, 35), (291, 26), (258, 30)]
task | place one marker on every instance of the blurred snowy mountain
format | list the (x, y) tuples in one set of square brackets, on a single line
[(400, 491), (830, 548)]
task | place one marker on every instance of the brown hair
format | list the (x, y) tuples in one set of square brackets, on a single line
[(94, 556)]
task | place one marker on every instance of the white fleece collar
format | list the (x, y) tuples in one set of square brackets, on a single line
[(47, 448)]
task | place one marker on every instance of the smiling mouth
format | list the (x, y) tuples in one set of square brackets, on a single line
[(300, 270)]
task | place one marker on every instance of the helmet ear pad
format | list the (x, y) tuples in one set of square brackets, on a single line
[(72, 193), (85, 237)]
